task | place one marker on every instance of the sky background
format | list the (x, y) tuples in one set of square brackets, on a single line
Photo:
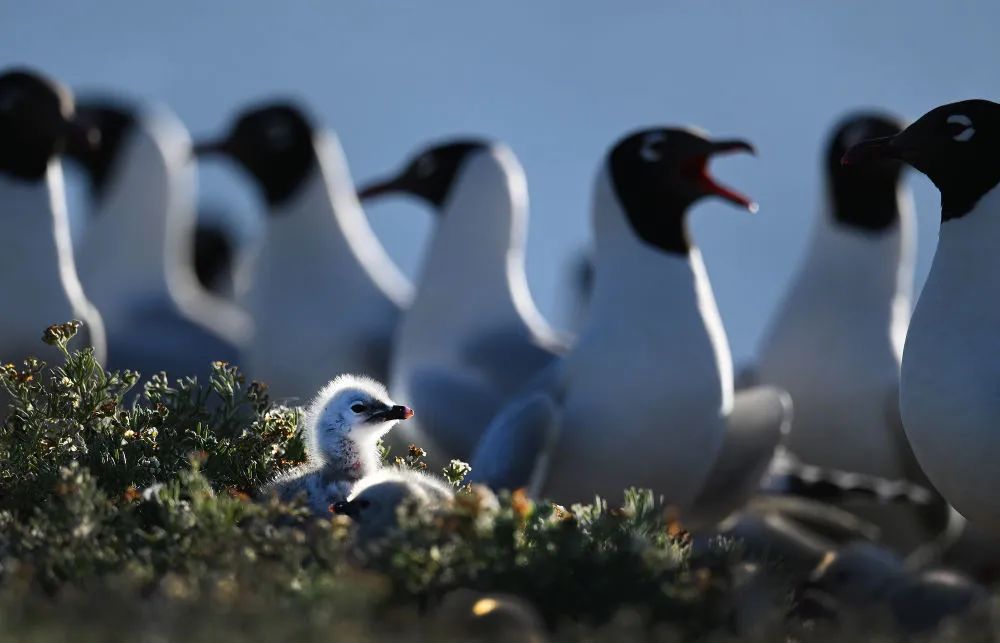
[(558, 81)]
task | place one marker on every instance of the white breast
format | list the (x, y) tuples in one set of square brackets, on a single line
[(836, 342), (325, 297), (950, 388), (651, 372), (39, 281)]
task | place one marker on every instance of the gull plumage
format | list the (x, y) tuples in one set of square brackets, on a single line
[(40, 283), (135, 256), (645, 397), (951, 359), (473, 335), (323, 293)]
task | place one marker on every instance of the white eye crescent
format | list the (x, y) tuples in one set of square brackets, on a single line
[(966, 122), (649, 151)]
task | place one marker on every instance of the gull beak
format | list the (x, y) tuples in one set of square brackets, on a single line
[(81, 137), (875, 149), (699, 168), (208, 148), (380, 188)]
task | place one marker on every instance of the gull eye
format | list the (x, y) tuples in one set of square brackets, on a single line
[(960, 127), (278, 134), (364, 504), (358, 407), (425, 166), (650, 150)]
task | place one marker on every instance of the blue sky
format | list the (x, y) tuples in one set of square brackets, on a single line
[(558, 81)]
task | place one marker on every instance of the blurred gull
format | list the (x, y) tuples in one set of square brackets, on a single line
[(342, 428), (836, 342), (473, 335), (136, 252), (645, 398), (324, 295), (39, 284)]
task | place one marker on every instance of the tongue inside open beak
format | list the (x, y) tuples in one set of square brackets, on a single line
[(699, 169), (709, 185)]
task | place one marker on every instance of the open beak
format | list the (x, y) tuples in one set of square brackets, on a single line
[(875, 149), (379, 188), (698, 167), (398, 412)]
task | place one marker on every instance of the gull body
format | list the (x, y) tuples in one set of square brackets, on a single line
[(473, 335), (645, 397), (40, 285), (951, 360), (836, 342), (324, 295), (136, 252)]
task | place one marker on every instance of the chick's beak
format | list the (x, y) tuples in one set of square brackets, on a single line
[(398, 412)]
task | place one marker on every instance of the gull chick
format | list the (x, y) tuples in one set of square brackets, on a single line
[(343, 425), (375, 501)]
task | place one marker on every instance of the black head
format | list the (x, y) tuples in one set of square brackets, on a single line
[(430, 174), (36, 121), (213, 255), (274, 143), (864, 196), (351, 508), (957, 146), (113, 122), (659, 173)]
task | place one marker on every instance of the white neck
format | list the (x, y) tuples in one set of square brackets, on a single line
[(321, 238), (966, 267), (36, 255), (138, 245), (477, 250), (846, 269), (878, 265), (666, 295), (133, 239)]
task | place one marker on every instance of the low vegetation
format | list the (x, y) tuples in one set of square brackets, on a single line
[(128, 512)]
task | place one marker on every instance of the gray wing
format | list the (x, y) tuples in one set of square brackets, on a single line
[(463, 409), (508, 356), (759, 419), (515, 448)]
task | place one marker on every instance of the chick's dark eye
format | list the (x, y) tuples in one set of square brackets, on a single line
[(364, 504), (358, 407)]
